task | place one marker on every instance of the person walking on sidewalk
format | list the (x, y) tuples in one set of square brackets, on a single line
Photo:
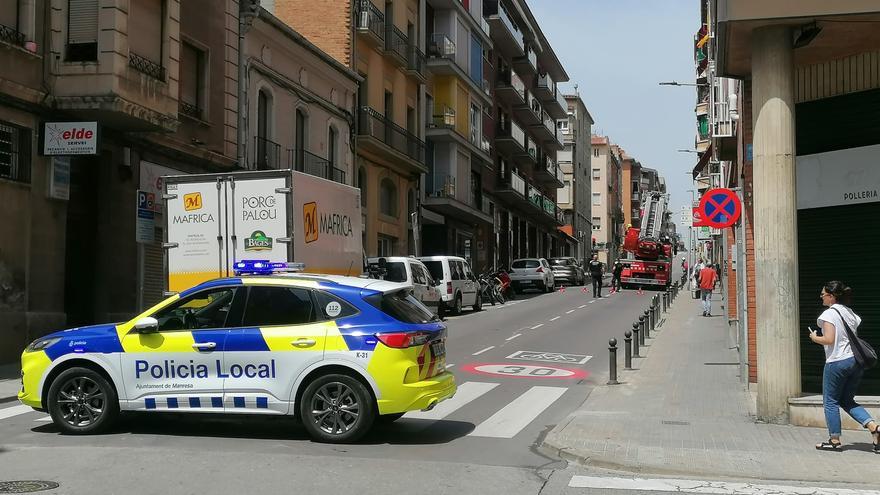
[(843, 373), (596, 269), (616, 271), (707, 279)]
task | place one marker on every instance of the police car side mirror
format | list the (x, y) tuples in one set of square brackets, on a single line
[(147, 325)]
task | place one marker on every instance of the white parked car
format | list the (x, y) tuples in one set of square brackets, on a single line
[(458, 284), (532, 273), (410, 271)]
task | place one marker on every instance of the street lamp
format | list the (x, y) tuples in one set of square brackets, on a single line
[(687, 151), (676, 83)]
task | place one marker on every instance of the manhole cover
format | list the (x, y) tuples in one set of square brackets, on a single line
[(27, 486), (676, 423)]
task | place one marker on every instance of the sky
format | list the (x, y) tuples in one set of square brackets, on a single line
[(617, 51)]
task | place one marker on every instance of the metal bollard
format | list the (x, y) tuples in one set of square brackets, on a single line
[(654, 314), (627, 350), (648, 318), (642, 329), (636, 339), (612, 362)]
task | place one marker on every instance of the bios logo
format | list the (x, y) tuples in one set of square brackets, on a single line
[(258, 241)]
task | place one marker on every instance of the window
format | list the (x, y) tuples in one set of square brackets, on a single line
[(268, 306), (332, 145), (596, 152), (362, 185), (436, 269), (395, 271), (325, 301), (385, 245), (468, 274), (418, 274), (10, 31), (596, 174), (15, 147), (388, 198), (401, 306), (562, 125), (456, 269), (597, 199), (597, 223), (265, 152), (520, 264), (302, 123), (205, 309), (145, 19), (192, 80), (82, 30)]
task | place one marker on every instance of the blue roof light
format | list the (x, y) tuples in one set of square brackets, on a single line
[(265, 267)]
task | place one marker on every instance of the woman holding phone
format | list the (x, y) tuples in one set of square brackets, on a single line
[(842, 374)]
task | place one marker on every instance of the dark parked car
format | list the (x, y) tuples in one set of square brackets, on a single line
[(567, 271)]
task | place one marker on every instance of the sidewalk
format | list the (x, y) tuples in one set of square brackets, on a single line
[(683, 411), (10, 383)]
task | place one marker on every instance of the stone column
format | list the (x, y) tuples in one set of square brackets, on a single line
[(775, 225)]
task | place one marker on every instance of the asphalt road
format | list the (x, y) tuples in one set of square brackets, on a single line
[(521, 368)]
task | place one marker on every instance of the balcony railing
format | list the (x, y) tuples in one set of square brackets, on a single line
[(536, 197), (511, 79), (440, 46), (560, 98), (190, 109), (371, 19), (560, 176), (491, 7), (267, 154), (485, 145), (445, 119), (396, 42), (442, 187), (374, 124), (312, 164), (146, 66), (516, 132), (531, 148), (517, 183), (11, 35), (546, 82), (415, 60), (484, 25)]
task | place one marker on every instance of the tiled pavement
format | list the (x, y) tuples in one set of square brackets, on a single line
[(676, 414)]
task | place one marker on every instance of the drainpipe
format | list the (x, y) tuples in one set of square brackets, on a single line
[(248, 11)]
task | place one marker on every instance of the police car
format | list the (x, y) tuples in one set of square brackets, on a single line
[(336, 352)]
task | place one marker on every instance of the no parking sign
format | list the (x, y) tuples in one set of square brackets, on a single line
[(720, 208)]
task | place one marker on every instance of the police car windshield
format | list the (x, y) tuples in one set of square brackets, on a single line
[(402, 306)]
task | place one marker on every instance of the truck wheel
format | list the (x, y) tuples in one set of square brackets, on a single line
[(337, 409), (456, 309), (81, 401)]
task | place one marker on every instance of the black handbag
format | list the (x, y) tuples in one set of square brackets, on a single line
[(865, 355)]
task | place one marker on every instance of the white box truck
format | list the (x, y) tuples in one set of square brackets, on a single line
[(214, 220)]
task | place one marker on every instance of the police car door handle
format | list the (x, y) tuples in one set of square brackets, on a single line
[(303, 342), (204, 346)]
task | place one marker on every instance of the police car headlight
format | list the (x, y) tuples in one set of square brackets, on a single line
[(40, 344)]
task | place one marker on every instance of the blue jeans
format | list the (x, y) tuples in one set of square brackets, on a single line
[(839, 383), (706, 296)]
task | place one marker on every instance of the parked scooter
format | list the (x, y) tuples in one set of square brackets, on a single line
[(505, 285)]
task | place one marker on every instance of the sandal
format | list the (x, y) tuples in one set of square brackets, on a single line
[(876, 436), (832, 446)]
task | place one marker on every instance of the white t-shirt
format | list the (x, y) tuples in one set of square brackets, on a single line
[(840, 349)]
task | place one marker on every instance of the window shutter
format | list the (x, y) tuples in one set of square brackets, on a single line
[(145, 19), (82, 21)]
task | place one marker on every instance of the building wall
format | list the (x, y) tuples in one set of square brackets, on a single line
[(601, 160), (326, 23)]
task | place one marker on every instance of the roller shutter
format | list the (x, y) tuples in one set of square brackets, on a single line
[(839, 243), (82, 21)]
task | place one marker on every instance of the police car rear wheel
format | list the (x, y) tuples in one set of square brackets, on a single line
[(337, 408), (81, 401)]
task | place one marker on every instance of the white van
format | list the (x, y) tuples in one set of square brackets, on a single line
[(458, 284), (410, 271)]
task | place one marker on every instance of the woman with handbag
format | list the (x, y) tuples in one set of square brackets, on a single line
[(843, 371)]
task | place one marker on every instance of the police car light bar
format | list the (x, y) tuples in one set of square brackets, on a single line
[(265, 267)]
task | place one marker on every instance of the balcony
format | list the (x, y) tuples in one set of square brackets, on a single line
[(723, 117), (536, 198), (370, 23), (545, 130), (527, 64), (545, 89), (11, 35), (509, 88), (512, 187), (415, 63), (396, 46), (510, 138), (529, 113), (505, 35), (440, 46), (267, 154), (444, 127), (309, 163), (380, 136), (445, 198), (548, 172), (556, 106), (529, 154)]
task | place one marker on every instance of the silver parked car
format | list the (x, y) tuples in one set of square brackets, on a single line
[(532, 273), (567, 271)]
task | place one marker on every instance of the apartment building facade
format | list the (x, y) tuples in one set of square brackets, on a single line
[(794, 134), (574, 161), (606, 175), (383, 43), (631, 190), (528, 103)]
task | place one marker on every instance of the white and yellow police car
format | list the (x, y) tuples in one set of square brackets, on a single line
[(337, 352)]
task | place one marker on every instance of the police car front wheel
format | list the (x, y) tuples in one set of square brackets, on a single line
[(337, 408), (82, 401)]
